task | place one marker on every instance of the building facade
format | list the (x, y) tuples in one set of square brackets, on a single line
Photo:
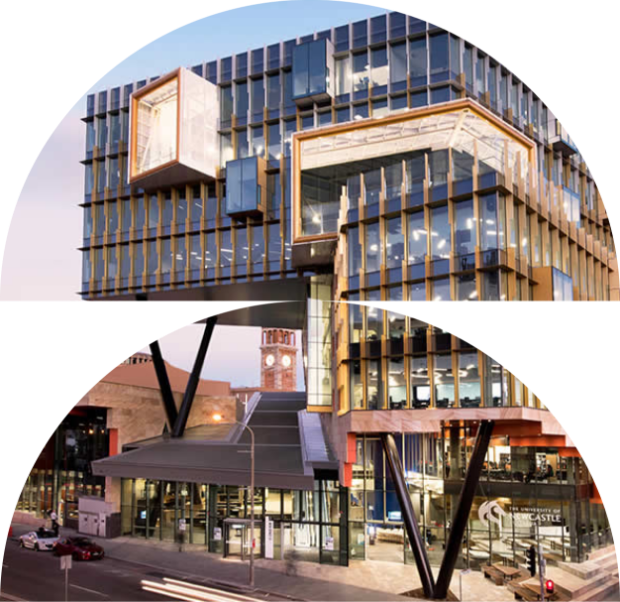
[(325, 489), (124, 407), (382, 160), (388, 153)]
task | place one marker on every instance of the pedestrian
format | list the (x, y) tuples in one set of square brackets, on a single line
[(55, 525)]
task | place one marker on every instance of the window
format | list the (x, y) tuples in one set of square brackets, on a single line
[(343, 78), (441, 290), (466, 287), (417, 291), (241, 101), (355, 252), (357, 386), (397, 387), (420, 383), (440, 59), (417, 238), (258, 99), (465, 231), (360, 75), (379, 70), (374, 388), (418, 62), (395, 242), (275, 141), (274, 91), (398, 64), (469, 380), (443, 380), (440, 233), (373, 248), (374, 317)]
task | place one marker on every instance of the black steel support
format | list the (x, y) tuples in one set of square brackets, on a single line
[(170, 407), (463, 508), (194, 378), (409, 517)]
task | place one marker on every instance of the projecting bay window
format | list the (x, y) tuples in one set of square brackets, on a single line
[(313, 68), (246, 187)]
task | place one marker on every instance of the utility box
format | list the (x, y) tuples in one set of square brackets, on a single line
[(93, 513)]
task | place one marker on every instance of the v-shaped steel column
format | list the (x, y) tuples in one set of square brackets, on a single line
[(170, 407), (409, 517), (463, 508), (194, 378)]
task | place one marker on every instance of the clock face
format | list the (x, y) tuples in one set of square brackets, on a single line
[(270, 360), (286, 361)]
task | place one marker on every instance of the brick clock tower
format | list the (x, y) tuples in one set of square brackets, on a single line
[(278, 360)]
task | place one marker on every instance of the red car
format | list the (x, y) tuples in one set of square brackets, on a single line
[(81, 548)]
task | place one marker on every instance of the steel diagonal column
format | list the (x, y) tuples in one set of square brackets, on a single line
[(409, 518), (459, 523), (194, 378), (164, 384)]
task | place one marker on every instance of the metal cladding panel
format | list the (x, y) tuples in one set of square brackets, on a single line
[(199, 148)]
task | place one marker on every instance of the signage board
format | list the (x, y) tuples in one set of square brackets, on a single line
[(268, 537)]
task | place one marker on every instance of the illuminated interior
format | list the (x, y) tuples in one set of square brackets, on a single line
[(331, 164)]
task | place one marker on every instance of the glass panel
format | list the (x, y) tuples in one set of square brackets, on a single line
[(156, 130), (443, 380)]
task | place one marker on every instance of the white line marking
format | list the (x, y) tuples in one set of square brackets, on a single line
[(92, 591)]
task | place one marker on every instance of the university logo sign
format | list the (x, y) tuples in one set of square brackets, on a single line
[(491, 512)]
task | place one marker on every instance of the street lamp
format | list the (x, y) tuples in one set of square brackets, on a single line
[(219, 418)]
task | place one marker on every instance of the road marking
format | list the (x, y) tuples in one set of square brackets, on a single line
[(11, 597), (91, 591)]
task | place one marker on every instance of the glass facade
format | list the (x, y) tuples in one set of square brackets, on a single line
[(491, 216), (63, 472)]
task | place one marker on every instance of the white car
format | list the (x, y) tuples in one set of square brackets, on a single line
[(42, 540)]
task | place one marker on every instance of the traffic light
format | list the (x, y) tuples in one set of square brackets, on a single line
[(549, 586), (530, 562)]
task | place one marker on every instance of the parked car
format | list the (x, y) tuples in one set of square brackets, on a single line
[(81, 548), (42, 540)]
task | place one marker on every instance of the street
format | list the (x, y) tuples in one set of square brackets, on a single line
[(30, 575)]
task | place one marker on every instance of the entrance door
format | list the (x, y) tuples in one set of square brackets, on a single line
[(236, 540)]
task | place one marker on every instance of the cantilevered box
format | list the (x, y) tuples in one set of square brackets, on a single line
[(173, 137)]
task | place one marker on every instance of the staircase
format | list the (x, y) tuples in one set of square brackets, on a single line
[(592, 580)]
